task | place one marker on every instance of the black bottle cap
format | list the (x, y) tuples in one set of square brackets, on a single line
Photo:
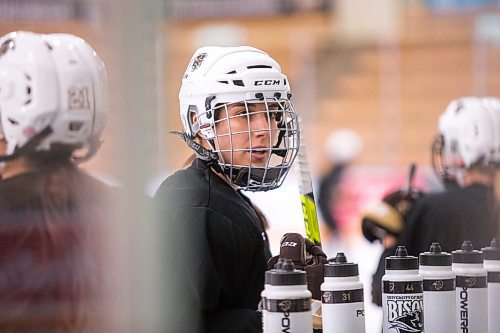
[(339, 267), (287, 275), (493, 251), (278, 265), (435, 257), (467, 255), (401, 261)]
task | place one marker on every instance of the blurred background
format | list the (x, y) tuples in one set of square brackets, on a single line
[(382, 70)]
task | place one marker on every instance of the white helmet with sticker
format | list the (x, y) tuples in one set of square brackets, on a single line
[(219, 78), (469, 136), (52, 94)]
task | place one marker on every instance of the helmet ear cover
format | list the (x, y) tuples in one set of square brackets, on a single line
[(192, 118)]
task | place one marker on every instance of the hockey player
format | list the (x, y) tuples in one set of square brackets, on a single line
[(465, 153), (342, 147), (52, 112), (238, 119)]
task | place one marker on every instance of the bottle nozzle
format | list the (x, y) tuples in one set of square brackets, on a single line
[(401, 251), (467, 246), (340, 258), (288, 265), (435, 248), (495, 243), (279, 264)]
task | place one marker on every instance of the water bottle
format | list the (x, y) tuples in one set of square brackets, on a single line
[(439, 290), (287, 301), (471, 292), (342, 305), (492, 266), (402, 294), (267, 283)]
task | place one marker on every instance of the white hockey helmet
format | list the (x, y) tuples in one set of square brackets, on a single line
[(217, 77), (469, 136), (343, 145), (53, 93)]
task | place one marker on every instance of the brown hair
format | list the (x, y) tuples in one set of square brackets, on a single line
[(59, 231), (189, 160)]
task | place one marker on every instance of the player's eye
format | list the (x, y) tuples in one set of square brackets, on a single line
[(240, 111)]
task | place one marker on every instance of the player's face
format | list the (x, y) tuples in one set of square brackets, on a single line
[(246, 133)]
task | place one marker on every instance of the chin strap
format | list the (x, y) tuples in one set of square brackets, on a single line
[(30, 145), (276, 148), (210, 157)]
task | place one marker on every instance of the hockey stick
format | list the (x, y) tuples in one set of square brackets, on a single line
[(306, 192), (411, 174)]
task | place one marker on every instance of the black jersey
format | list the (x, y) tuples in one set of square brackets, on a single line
[(328, 191), (227, 245), (49, 276), (469, 213)]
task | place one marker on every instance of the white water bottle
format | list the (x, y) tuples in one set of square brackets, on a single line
[(492, 266), (439, 290), (402, 294), (267, 283), (287, 301), (471, 292), (342, 305)]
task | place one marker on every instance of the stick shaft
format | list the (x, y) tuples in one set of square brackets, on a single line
[(306, 192)]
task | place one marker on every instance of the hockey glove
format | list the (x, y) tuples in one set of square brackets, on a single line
[(306, 256)]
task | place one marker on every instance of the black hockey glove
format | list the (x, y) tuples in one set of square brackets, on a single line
[(306, 256), (388, 216)]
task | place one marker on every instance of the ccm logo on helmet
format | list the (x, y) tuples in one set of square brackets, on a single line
[(267, 82)]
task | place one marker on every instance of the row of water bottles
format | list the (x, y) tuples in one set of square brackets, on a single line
[(445, 293)]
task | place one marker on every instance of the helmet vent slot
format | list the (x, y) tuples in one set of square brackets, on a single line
[(225, 82), (258, 66), (12, 121), (231, 72), (75, 126), (238, 83)]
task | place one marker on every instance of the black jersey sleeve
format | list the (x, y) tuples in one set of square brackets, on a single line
[(206, 268), (420, 229)]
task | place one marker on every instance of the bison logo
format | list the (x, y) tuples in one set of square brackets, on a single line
[(327, 296), (410, 322), (438, 285), (198, 61), (470, 281), (285, 305)]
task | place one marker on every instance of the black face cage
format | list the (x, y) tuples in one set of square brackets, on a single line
[(438, 163), (280, 146)]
